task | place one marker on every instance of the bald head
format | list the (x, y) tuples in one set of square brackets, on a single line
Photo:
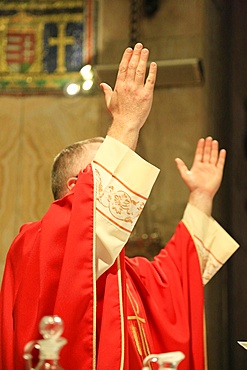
[(69, 162)]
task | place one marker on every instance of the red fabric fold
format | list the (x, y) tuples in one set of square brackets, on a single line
[(171, 291), (51, 264)]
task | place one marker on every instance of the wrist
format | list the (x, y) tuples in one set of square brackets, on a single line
[(127, 134), (202, 201)]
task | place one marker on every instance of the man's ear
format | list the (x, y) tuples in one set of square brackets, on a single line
[(71, 183)]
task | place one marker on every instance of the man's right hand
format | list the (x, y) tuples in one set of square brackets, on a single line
[(131, 100)]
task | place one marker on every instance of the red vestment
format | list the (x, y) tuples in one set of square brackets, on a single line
[(142, 307)]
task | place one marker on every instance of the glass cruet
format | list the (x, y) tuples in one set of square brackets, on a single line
[(51, 328), (165, 361)]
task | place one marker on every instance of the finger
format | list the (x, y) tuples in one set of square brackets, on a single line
[(181, 166), (151, 78), (123, 66), (140, 73), (134, 61), (199, 151), (207, 149), (214, 152), (221, 159), (107, 90)]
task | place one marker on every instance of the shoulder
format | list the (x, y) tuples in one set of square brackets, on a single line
[(24, 239), (30, 227)]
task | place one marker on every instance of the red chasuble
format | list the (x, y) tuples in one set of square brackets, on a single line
[(50, 271), (141, 307)]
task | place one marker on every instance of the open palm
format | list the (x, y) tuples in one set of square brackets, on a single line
[(206, 173)]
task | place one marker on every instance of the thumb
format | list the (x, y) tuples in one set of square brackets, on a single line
[(181, 166), (107, 90)]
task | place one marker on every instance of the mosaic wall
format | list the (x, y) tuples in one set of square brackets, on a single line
[(44, 44)]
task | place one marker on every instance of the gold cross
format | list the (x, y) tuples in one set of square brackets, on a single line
[(61, 41)]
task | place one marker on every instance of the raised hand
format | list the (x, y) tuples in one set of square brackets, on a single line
[(205, 176), (131, 100)]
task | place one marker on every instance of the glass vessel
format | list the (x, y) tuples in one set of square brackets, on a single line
[(165, 361), (51, 328)]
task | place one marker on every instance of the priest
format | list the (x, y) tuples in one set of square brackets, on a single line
[(71, 263)]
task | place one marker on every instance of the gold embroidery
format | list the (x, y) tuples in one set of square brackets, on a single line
[(121, 313), (119, 203), (209, 263), (136, 339), (145, 340), (137, 325)]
